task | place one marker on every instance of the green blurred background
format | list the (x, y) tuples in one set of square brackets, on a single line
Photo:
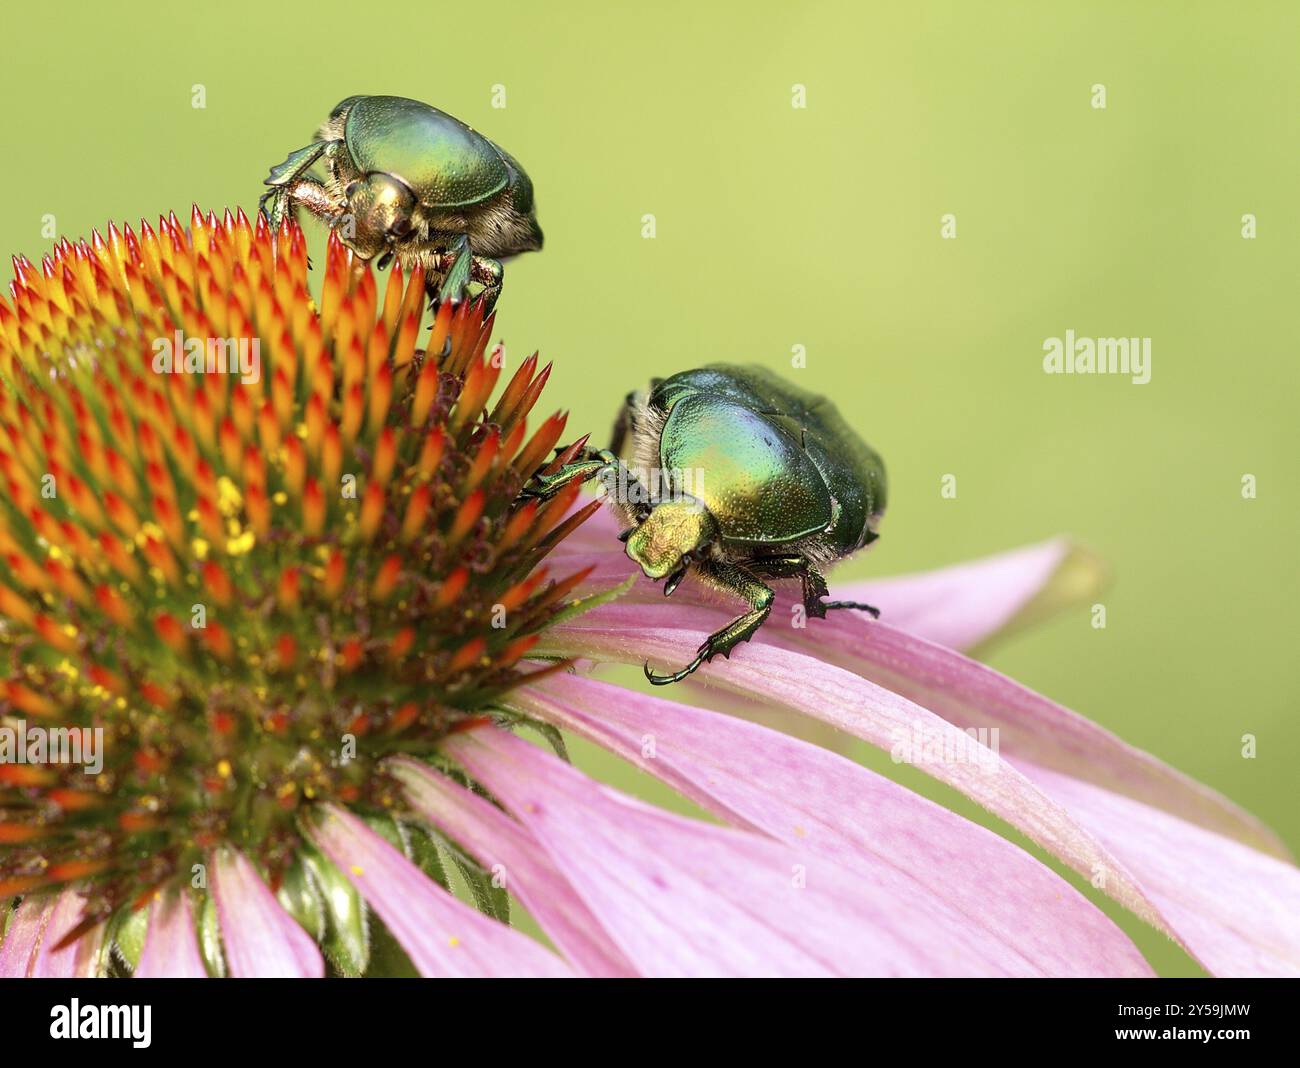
[(820, 226)]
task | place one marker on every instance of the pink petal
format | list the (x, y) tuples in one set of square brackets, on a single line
[(798, 681), (891, 654), (967, 693), (1031, 920), (261, 939), (966, 604), (1034, 731), (1237, 908), (80, 959), (442, 936), (171, 945), (495, 839), (681, 897), (1030, 725), (23, 939)]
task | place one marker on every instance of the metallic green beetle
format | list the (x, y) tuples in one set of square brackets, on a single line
[(410, 181), (736, 476)]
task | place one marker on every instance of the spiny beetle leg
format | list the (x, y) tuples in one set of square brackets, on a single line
[(544, 487), (794, 566), (458, 276), (814, 584), (725, 578), (874, 612)]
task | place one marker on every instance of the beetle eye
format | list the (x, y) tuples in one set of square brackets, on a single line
[(351, 188), (400, 228)]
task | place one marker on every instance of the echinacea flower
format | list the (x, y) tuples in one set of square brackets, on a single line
[(309, 614), (248, 550)]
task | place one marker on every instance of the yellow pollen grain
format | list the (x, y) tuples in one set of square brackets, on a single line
[(453, 941), (357, 869), (148, 530), (200, 549), (229, 499), (242, 544), (224, 769)]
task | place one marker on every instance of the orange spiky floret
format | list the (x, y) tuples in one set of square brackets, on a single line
[(230, 572)]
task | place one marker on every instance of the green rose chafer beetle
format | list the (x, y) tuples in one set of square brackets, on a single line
[(736, 476), (410, 181)]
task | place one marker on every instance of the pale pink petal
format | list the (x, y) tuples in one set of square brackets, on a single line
[(947, 683), (23, 939), (441, 935), (1030, 725), (1034, 732), (681, 897), (803, 683), (502, 844), (261, 939), (81, 958), (964, 605), (171, 945), (801, 793), (962, 691), (1239, 909)]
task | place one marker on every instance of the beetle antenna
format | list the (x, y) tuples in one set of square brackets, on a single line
[(675, 579)]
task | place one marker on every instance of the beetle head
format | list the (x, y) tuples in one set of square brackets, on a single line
[(380, 206), (673, 530)]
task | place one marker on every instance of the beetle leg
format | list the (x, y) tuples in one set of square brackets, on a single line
[(306, 192), (450, 270), (594, 463), (623, 425), (872, 610), (458, 273), (287, 176), (488, 273), (725, 578), (544, 487), (814, 584)]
